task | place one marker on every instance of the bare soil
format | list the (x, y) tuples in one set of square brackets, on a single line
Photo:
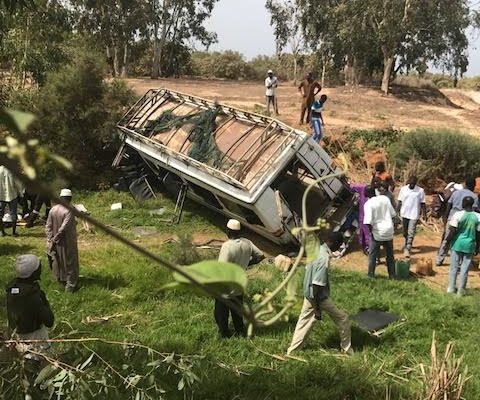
[(347, 108)]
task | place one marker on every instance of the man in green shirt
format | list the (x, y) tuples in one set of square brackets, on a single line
[(316, 291), (464, 234)]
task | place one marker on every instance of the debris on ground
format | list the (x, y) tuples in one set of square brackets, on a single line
[(116, 206)]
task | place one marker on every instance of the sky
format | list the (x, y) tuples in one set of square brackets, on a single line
[(244, 26)]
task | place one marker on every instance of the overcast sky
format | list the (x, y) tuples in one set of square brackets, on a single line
[(244, 26)]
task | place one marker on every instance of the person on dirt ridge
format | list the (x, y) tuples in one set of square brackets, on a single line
[(62, 247), (464, 235), (378, 216), (243, 252), (317, 118), (316, 292), (10, 190), (455, 204), (308, 88), (28, 311), (411, 202), (271, 84)]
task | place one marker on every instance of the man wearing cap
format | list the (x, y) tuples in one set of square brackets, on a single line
[(10, 190), (29, 313), (271, 83), (243, 252), (62, 246)]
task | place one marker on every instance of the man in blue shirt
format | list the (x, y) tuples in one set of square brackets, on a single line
[(317, 119), (453, 206), (316, 291)]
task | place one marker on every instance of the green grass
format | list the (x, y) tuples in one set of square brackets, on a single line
[(116, 280)]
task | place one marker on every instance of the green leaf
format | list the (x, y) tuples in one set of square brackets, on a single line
[(312, 246), (16, 121), (44, 374), (224, 278)]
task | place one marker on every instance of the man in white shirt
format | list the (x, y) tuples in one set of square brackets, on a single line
[(378, 217), (411, 201), (271, 83)]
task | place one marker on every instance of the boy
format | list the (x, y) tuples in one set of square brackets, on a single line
[(316, 118)]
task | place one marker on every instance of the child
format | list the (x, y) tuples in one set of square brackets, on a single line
[(316, 117)]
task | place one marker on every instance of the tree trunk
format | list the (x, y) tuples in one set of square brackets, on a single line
[(116, 66), (295, 66), (324, 72), (387, 69), (125, 58), (159, 44)]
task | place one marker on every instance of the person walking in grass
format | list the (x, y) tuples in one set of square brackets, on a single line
[(455, 204), (10, 190), (243, 252), (378, 217), (464, 235), (316, 292), (62, 247), (317, 118), (271, 84), (411, 203)]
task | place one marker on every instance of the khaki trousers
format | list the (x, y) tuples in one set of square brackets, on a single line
[(307, 318)]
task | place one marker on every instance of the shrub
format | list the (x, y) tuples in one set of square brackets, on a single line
[(76, 114), (438, 154)]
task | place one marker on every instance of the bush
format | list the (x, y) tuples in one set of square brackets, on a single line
[(226, 65), (76, 115), (437, 154)]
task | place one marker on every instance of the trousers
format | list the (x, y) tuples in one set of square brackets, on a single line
[(221, 314), (409, 231), (373, 251), (307, 318), (462, 260)]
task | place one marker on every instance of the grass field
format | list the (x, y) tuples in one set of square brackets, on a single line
[(114, 280)]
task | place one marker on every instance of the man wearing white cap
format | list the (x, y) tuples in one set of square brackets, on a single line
[(271, 83), (62, 245), (243, 252), (29, 313)]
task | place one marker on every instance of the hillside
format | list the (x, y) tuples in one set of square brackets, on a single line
[(347, 108)]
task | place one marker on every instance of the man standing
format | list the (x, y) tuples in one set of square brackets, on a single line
[(243, 252), (309, 88), (62, 243), (411, 201), (10, 190), (271, 84), (316, 291), (465, 237), (378, 216), (455, 204), (317, 118), (28, 311)]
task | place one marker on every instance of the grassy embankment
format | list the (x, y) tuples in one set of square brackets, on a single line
[(117, 281)]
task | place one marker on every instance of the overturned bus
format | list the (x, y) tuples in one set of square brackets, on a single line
[(243, 165)]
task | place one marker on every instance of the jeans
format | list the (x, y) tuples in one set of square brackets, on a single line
[(221, 314), (409, 230), (463, 260), (317, 129), (443, 250), (373, 255)]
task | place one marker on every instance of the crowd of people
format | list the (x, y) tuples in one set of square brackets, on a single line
[(311, 107), (379, 212)]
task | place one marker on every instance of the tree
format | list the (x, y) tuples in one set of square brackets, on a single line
[(400, 30), (115, 24), (34, 40), (174, 23), (286, 27)]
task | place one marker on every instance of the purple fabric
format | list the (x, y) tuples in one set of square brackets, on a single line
[(363, 232)]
